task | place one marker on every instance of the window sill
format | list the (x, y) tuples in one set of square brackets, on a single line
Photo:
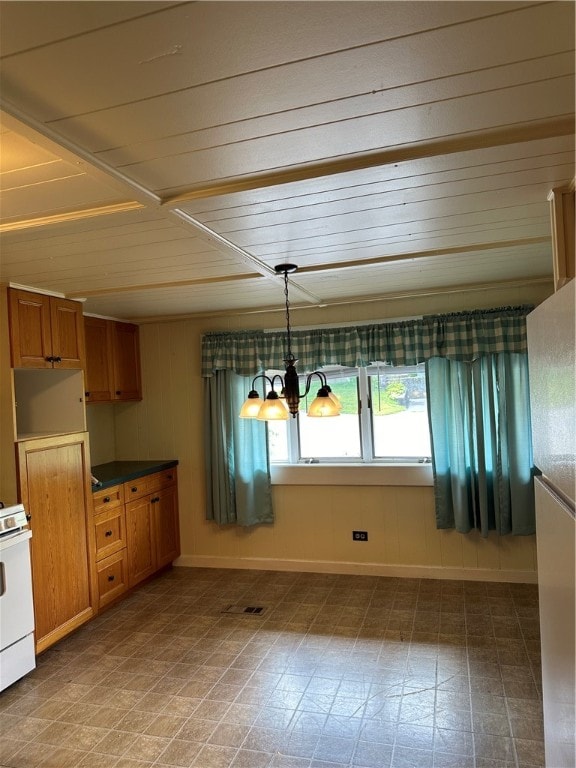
[(352, 474)]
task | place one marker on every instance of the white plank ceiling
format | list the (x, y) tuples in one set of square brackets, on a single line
[(160, 158)]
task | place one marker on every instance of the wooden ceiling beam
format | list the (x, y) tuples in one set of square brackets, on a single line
[(332, 267), (546, 129)]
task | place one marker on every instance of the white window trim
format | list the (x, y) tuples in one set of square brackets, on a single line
[(386, 466), (355, 474)]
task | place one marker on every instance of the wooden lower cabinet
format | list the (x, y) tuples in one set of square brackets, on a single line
[(136, 531), (112, 577), (167, 528), (110, 544), (54, 477), (140, 533)]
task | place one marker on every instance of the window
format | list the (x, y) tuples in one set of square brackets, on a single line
[(384, 418)]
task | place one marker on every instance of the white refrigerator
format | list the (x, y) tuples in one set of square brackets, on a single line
[(551, 352)]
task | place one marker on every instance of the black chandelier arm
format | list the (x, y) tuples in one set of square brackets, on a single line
[(279, 378), (291, 388), (255, 379), (321, 376)]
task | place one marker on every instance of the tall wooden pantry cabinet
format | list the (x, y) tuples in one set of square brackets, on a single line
[(54, 477), (45, 454)]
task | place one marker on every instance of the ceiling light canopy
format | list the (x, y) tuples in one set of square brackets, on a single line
[(279, 406)]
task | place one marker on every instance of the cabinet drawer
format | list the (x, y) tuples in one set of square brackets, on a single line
[(108, 498), (110, 528), (166, 478), (142, 486), (112, 577)]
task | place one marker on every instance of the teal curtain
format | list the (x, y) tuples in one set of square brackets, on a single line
[(236, 450), (237, 466), (481, 443)]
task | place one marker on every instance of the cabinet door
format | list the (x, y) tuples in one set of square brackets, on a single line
[(167, 528), (30, 339), (126, 362), (140, 540), (99, 368), (67, 327), (55, 489), (45, 331)]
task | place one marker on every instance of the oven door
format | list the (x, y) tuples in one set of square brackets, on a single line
[(16, 606)]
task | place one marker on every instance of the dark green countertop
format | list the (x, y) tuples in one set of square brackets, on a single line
[(116, 472)]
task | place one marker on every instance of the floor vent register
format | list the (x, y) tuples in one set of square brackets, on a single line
[(252, 610)]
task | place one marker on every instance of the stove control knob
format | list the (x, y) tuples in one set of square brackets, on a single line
[(9, 522)]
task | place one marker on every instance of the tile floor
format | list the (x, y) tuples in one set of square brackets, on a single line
[(369, 672)]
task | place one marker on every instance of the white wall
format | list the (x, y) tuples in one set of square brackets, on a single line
[(313, 525)]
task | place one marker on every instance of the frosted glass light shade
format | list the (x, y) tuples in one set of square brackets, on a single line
[(273, 409), (336, 400), (323, 405), (251, 407)]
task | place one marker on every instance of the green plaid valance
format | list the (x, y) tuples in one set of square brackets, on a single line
[(459, 336)]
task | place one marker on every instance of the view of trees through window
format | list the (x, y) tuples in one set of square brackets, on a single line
[(384, 417)]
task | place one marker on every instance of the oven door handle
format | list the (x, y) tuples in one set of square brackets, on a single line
[(2, 579)]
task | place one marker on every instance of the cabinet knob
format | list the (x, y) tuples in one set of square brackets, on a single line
[(155, 499), (50, 359), (118, 392), (86, 394), (108, 533), (106, 499), (134, 489), (111, 578), (57, 359)]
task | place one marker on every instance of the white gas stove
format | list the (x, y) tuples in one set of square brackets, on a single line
[(17, 656)]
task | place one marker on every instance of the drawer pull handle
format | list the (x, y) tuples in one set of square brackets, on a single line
[(106, 499), (108, 533), (111, 578)]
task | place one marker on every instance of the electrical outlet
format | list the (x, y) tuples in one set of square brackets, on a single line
[(360, 535)]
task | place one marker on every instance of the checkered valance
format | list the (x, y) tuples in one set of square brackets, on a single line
[(459, 336)]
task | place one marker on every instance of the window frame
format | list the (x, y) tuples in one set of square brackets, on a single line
[(365, 426)]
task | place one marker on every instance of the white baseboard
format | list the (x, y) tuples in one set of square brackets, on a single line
[(361, 569)]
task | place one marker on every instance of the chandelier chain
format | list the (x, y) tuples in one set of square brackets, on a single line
[(288, 328)]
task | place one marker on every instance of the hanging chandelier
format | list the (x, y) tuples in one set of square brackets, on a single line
[(279, 406)]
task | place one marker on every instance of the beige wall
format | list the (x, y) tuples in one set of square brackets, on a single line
[(313, 524)]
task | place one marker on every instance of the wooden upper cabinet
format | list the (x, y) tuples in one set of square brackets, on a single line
[(126, 358), (99, 366), (45, 331), (66, 323), (112, 361)]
